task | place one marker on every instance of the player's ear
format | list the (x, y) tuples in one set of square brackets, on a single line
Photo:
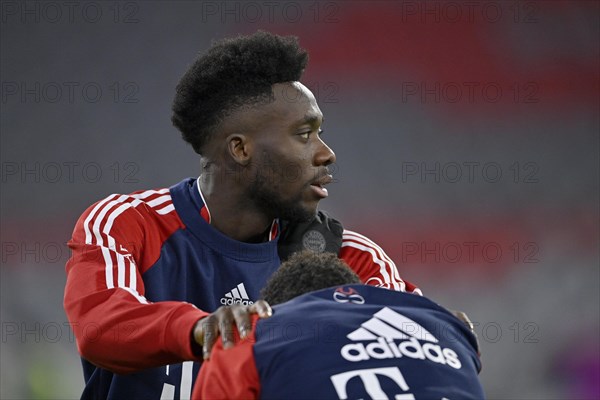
[(239, 148)]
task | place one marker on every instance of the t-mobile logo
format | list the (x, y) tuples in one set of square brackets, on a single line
[(371, 382)]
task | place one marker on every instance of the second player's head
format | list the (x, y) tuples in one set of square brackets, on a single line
[(306, 272)]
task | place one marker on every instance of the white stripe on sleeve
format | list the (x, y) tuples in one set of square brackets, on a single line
[(388, 269), (88, 233)]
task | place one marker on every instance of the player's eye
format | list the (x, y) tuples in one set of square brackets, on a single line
[(306, 135)]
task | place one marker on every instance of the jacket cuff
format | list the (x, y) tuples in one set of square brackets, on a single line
[(179, 334)]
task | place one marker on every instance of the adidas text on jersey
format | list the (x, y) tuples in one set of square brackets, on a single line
[(384, 328)]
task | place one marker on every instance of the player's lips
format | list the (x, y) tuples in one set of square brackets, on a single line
[(318, 186)]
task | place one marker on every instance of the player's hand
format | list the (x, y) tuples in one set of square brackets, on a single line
[(207, 330), (464, 318)]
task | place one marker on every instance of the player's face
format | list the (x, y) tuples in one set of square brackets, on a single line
[(290, 156)]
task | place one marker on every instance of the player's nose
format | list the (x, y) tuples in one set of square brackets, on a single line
[(324, 154)]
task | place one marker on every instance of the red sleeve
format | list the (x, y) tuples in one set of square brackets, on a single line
[(115, 326), (231, 373), (371, 263)]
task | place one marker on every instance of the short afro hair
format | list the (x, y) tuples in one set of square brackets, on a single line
[(234, 72), (305, 272)]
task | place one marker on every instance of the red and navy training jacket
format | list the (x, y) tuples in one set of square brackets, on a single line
[(146, 266), (348, 342)]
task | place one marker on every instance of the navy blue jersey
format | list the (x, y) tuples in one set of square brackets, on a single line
[(146, 266), (350, 342)]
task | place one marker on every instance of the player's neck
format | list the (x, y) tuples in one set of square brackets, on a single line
[(232, 214)]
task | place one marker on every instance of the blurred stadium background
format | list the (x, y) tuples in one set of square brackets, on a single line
[(467, 143)]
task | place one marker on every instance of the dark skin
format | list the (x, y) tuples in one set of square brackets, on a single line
[(274, 149), (266, 161)]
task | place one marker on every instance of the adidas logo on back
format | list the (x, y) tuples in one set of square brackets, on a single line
[(384, 328), (237, 295)]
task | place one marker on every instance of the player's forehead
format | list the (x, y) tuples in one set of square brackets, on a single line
[(292, 106), (296, 103), (292, 91)]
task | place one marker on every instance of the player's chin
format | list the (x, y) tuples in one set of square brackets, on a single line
[(305, 212), (311, 210), (310, 203)]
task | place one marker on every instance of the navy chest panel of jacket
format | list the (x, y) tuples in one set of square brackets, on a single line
[(202, 266), (189, 270)]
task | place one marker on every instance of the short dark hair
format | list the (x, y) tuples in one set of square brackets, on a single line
[(305, 272), (234, 72)]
